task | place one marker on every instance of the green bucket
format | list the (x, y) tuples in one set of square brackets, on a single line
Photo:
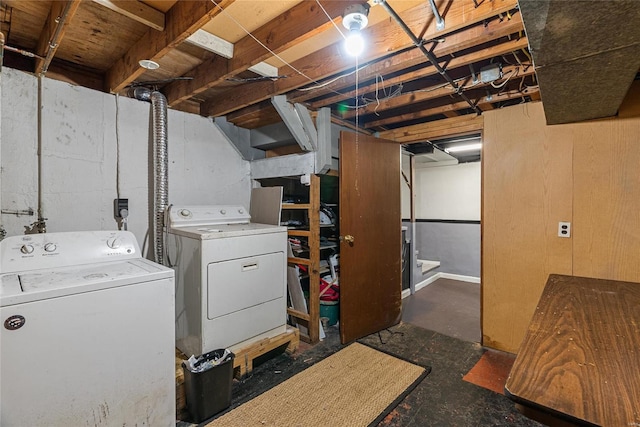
[(330, 310)]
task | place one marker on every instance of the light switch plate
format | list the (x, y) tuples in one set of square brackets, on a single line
[(564, 229)]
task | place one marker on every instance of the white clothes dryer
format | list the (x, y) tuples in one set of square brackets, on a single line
[(230, 277), (87, 333)]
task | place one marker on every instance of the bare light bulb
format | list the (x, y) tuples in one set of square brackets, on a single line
[(354, 43), (355, 19)]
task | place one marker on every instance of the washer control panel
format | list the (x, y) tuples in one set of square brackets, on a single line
[(50, 250)]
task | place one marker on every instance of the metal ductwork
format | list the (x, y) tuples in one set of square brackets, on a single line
[(160, 161)]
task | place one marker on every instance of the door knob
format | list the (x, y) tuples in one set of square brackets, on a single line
[(348, 238)]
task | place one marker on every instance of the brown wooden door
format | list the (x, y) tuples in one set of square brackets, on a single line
[(370, 268)]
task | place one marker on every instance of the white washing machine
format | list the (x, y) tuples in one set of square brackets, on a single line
[(230, 277), (87, 334)]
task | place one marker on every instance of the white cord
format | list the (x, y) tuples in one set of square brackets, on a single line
[(321, 85), (117, 148), (501, 85), (332, 21), (264, 46)]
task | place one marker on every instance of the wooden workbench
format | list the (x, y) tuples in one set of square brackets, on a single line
[(580, 358)]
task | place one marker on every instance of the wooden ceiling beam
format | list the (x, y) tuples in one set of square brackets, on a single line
[(456, 126), (430, 70), (60, 16), (421, 114), (137, 11), (300, 23), (469, 37), (331, 59), (433, 92), (182, 20)]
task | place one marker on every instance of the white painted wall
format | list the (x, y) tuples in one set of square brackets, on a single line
[(81, 154), (405, 191), (448, 192)]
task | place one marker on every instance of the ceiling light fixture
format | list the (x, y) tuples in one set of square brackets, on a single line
[(149, 64), (355, 19), (464, 147)]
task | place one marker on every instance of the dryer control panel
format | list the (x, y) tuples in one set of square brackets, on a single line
[(188, 216), (50, 250)]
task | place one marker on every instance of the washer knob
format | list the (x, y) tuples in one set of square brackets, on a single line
[(50, 247), (223, 212), (26, 249), (114, 243), (241, 211), (185, 213)]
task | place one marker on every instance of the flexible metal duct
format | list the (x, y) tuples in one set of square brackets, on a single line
[(160, 163), (160, 171)]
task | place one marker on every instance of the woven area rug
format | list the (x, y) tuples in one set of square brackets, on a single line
[(357, 386)]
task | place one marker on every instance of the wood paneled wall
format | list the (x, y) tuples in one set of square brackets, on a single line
[(526, 190), (606, 193), (536, 175)]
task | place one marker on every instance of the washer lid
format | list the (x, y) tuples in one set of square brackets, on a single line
[(36, 285)]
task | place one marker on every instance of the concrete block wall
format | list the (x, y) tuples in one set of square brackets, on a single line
[(87, 158)]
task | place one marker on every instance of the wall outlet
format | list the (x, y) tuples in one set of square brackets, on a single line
[(118, 206), (564, 229)]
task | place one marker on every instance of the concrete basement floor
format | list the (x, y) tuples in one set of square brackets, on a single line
[(443, 398)]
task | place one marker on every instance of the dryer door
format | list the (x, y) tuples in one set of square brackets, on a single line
[(241, 283)]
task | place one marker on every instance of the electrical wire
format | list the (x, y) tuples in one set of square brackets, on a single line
[(321, 85), (377, 99), (330, 19), (227, 14), (117, 147), (501, 85)]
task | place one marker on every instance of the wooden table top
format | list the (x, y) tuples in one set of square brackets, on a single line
[(580, 357)]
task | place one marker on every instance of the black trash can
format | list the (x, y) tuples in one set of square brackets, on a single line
[(208, 392)]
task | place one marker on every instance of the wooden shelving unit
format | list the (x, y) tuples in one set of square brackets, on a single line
[(312, 263), (304, 206)]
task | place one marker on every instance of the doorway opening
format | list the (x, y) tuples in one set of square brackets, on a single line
[(445, 233)]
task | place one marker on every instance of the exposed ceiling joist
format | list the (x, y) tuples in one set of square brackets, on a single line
[(446, 45), (327, 61), (456, 126), (428, 70), (427, 112), (60, 16), (137, 11), (437, 91), (302, 22), (182, 20), (395, 86)]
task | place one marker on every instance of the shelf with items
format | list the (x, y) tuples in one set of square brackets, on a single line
[(309, 254), (314, 241)]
